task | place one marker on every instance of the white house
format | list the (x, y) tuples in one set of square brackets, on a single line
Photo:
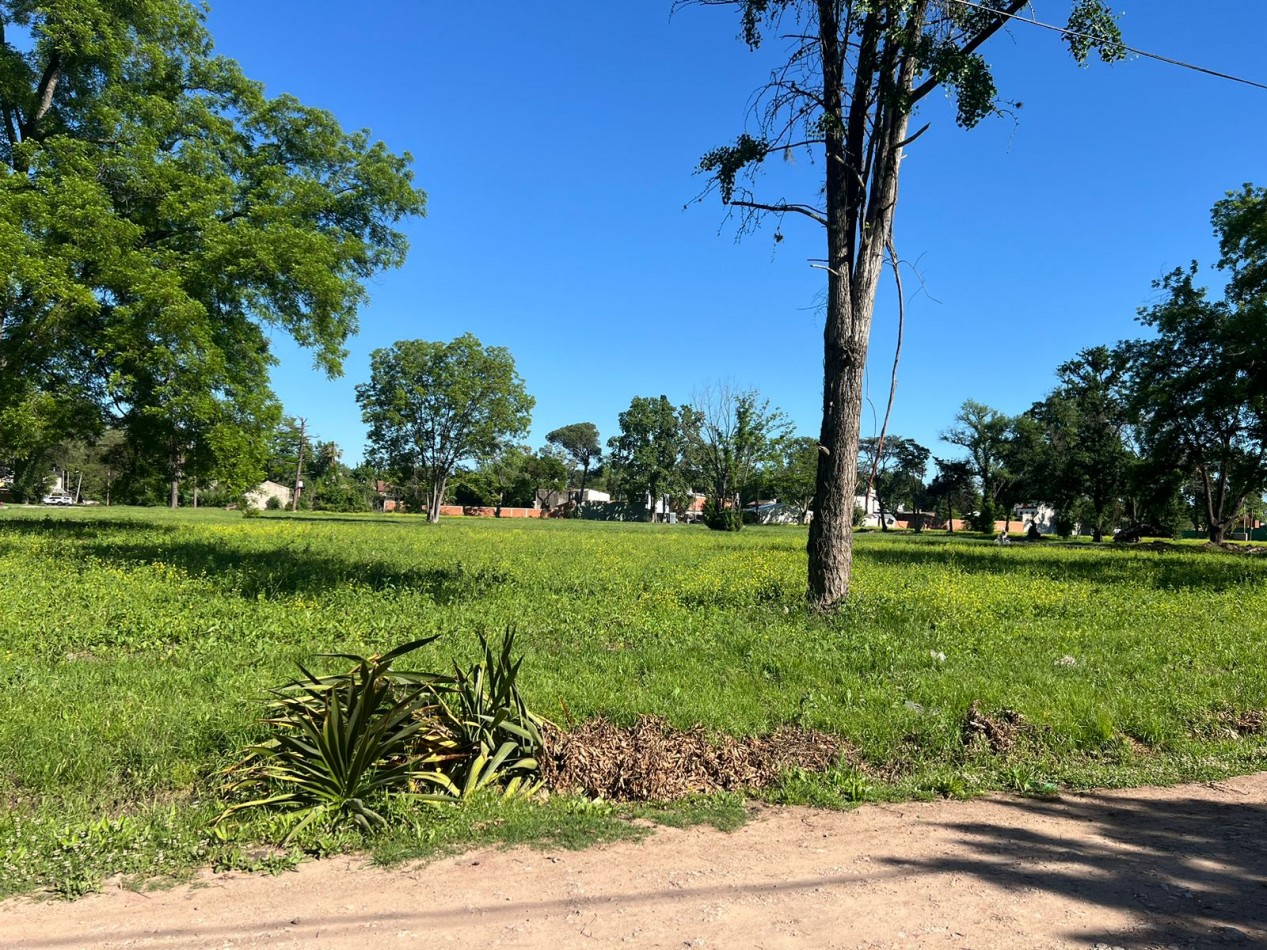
[(870, 505), (1036, 512), (258, 497)]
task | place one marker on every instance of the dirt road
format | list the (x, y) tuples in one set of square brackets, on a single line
[(1181, 867)]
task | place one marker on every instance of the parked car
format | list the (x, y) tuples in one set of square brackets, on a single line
[(58, 500)]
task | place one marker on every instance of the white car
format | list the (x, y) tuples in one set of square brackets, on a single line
[(58, 500)]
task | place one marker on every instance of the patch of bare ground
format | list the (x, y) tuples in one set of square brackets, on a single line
[(652, 761), (1138, 868)]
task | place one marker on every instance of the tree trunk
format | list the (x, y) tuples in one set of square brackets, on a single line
[(438, 486), (173, 501), (580, 501), (299, 468), (1216, 533), (859, 229)]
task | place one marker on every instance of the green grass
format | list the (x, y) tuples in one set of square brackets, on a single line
[(135, 644)]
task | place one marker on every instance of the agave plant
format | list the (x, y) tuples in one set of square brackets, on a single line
[(496, 740), (340, 742)]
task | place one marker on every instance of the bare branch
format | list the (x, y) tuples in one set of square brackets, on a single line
[(44, 94), (812, 213)]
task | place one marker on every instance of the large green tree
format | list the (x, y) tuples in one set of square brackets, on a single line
[(580, 441), (430, 406), (983, 432), (159, 214), (856, 72), (734, 433), (1084, 421), (649, 456), (1197, 393), (900, 466)]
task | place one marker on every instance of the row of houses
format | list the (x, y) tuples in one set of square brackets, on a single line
[(598, 505)]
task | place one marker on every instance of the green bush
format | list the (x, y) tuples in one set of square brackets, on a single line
[(341, 744), (983, 519), (273, 504), (722, 519)]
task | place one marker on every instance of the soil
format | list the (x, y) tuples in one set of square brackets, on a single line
[(1141, 868)]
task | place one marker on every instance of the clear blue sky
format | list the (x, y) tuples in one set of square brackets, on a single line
[(556, 143)]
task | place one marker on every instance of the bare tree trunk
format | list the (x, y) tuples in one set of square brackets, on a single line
[(859, 229), (585, 474), (173, 501), (299, 468), (436, 500)]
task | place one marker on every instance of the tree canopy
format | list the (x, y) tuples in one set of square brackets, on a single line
[(1196, 392), (733, 433), (648, 456), (159, 212), (580, 442), (430, 406)]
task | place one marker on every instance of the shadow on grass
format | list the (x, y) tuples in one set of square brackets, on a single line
[(1106, 564), (287, 571), (71, 527), (1193, 871)]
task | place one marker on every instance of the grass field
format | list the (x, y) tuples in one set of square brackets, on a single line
[(135, 644)]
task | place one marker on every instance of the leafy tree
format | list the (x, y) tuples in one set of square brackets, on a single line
[(430, 406), (1085, 419), (952, 488), (983, 432), (547, 474), (900, 468), (855, 73), (580, 441), (650, 452), (1197, 393), (159, 213), (1028, 461), (792, 476), (734, 433)]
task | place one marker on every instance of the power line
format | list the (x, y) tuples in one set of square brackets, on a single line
[(1065, 31)]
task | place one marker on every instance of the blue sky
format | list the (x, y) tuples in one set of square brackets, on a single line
[(556, 143)]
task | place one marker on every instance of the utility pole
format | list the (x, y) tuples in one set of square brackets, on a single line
[(299, 468)]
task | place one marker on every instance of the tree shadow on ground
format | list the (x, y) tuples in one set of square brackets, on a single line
[(80, 527), (1193, 871), (1209, 570), (291, 570)]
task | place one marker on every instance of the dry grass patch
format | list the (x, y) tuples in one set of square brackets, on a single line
[(651, 761)]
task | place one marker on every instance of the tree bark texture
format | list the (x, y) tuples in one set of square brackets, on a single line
[(859, 229)]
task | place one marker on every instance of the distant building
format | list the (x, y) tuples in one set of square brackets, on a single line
[(870, 505), (258, 497), (1037, 513)]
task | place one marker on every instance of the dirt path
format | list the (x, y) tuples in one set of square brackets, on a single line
[(1180, 867)]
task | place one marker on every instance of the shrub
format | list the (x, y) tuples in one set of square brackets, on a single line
[(273, 504), (722, 519), (341, 743), (983, 520)]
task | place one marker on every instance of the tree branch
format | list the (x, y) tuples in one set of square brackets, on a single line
[(44, 94), (928, 85), (809, 212)]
